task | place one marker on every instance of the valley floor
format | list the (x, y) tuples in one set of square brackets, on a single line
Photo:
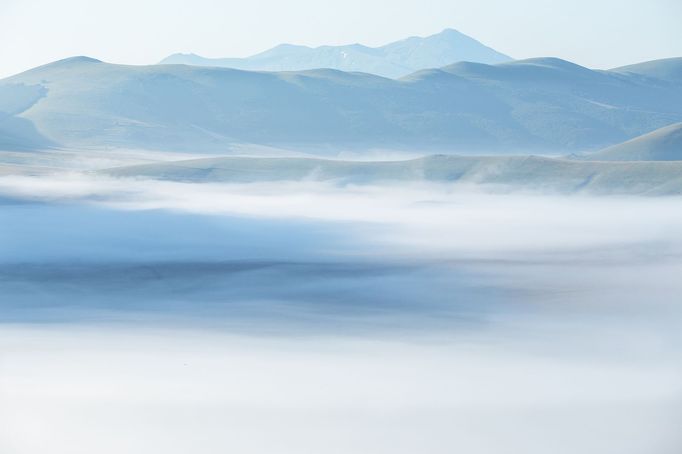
[(162, 315)]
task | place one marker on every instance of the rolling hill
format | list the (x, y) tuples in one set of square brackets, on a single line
[(669, 69), (663, 144), (392, 60), (530, 173), (528, 106)]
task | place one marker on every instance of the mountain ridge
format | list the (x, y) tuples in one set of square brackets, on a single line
[(536, 105), (392, 60)]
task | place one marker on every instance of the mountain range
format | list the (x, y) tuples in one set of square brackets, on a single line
[(393, 60), (538, 105)]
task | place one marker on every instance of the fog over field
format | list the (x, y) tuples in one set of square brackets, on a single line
[(304, 316), (286, 235)]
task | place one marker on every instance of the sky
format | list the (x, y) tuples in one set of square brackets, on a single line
[(594, 33)]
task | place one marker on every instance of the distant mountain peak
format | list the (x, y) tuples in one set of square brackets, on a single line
[(449, 33), (69, 62), (76, 60), (551, 63), (392, 60), (445, 33), (547, 61)]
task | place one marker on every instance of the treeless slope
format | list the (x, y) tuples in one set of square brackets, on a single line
[(664, 144), (501, 173)]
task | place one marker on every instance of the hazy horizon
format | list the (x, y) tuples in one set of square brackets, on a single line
[(593, 35)]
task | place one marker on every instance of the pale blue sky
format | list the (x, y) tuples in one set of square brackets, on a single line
[(595, 33)]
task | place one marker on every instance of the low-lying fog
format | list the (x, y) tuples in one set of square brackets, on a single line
[(143, 316)]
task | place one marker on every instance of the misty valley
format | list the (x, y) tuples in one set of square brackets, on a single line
[(421, 247)]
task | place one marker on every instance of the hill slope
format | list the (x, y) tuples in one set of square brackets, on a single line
[(548, 175), (668, 69), (663, 144), (392, 60), (538, 105)]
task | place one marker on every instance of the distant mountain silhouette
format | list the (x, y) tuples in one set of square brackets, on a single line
[(392, 60), (536, 105)]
